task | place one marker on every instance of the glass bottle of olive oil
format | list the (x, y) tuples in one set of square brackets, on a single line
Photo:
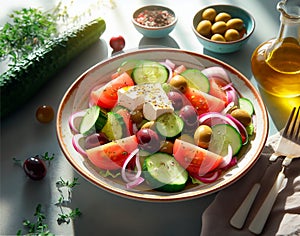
[(276, 62)]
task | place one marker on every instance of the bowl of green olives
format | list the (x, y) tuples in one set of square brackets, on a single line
[(223, 28)]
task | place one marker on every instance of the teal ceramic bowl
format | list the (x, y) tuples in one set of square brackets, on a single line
[(154, 31), (225, 47)]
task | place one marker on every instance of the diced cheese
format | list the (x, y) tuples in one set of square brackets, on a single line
[(151, 97)]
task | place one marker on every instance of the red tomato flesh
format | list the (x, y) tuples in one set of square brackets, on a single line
[(196, 160), (112, 155), (107, 96), (216, 90), (204, 102)]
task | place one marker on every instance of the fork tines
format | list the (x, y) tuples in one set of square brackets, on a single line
[(292, 128)]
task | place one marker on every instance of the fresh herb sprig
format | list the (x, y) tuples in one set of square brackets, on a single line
[(30, 28), (65, 200), (39, 227), (69, 185), (46, 157), (67, 217)]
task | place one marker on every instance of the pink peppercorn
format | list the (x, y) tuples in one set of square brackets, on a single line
[(155, 18)]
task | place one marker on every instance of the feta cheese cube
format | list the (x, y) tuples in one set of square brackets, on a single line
[(151, 97)]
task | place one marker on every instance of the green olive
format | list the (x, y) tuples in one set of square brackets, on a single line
[(235, 23), (179, 82), (204, 27), (209, 14), (232, 35), (218, 37), (148, 125), (223, 16), (242, 116), (167, 147), (202, 136), (219, 27), (137, 116)]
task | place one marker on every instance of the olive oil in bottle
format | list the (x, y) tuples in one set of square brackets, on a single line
[(276, 63)]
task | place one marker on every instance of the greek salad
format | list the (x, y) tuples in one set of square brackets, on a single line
[(163, 125)]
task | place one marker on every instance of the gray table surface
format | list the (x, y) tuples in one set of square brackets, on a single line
[(104, 213)]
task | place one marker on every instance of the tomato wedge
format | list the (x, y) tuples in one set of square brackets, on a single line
[(216, 90), (107, 96), (204, 102), (112, 155), (196, 160)]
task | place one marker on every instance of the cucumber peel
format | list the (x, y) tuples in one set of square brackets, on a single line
[(114, 127), (22, 81), (94, 119), (222, 136), (196, 79), (246, 104), (164, 173), (169, 125), (149, 72)]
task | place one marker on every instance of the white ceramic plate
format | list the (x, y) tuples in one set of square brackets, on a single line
[(76, 98)]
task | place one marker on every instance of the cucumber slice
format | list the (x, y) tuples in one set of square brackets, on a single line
[(94, 119), (102, 119), (222, 136), (169, 125), (150, 72), (196, 79), (115, 126), (246, 104), (164, 173)]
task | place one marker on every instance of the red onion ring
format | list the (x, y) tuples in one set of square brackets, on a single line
[(72, 120), (233, 162), (210, 177), (226, 159), (132, 180), (169, 70), (216, 118), (216, 71), (179, 69), (231, 93), (76, 145), (170, 64), (227, 108)]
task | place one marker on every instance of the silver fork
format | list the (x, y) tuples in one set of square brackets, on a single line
[(288, 146)]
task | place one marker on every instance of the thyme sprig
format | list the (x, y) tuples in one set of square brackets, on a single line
[(30, 28), (65, 200), (39, 227)]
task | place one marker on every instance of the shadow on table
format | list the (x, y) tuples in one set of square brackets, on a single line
[(152, 42)]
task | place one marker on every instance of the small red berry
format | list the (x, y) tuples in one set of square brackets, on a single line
[(117, 43)]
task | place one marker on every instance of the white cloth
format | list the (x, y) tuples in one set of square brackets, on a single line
[(284, 218)]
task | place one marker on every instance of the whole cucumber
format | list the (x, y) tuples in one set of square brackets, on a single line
[(21, 82)]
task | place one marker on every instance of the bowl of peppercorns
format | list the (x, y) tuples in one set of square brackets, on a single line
[(223, 28), (154, 21)]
